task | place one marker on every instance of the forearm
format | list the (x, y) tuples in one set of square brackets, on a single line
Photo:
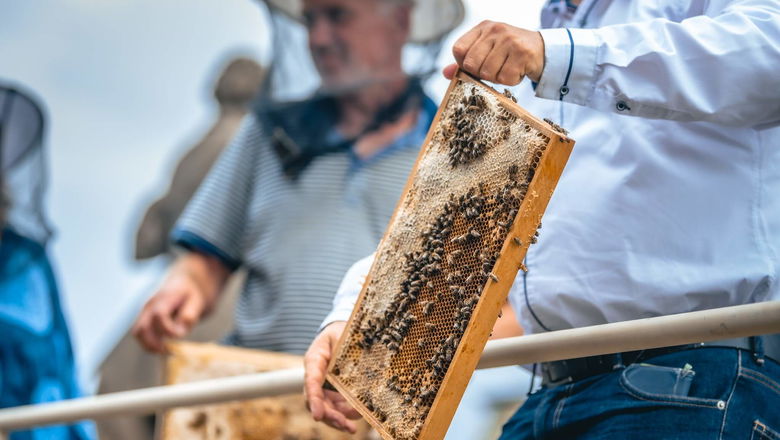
[(207, 272), (348, 292), (719, 68)]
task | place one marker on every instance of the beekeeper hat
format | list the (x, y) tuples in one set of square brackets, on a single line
[(431, 19)]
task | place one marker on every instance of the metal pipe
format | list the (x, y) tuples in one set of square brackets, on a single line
[(684, 328), (662, 331), (150, 400)]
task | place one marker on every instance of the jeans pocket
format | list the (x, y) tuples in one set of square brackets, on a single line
[(763, 432), (662, 384)]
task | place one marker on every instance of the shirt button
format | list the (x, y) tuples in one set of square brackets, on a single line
[(564, 90), (621, 106)]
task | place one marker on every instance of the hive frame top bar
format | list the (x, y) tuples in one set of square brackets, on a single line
[(504, 137)]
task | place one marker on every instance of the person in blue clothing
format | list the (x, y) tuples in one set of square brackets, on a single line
[(36, 357)]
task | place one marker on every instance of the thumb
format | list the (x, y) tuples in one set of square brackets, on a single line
[(450, 70), (189, 314)]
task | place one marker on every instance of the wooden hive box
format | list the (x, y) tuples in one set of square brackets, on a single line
[(278, 418), (471, 207)]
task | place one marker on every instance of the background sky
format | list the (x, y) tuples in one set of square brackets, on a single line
[(127, 89)]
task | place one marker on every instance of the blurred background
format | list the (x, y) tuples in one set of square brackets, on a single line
[(127, 87)]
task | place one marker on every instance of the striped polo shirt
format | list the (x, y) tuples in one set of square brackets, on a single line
[(296, 237)]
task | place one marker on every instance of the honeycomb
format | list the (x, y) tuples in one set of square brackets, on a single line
[(471, 208), (272, 418)]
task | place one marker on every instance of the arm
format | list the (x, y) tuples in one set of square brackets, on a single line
[(188, 293), (326, 405), (348, 292), (212, 228), (719, 68)]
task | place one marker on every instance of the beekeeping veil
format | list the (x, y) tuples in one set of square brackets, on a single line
[(294, 97), (22, 165)]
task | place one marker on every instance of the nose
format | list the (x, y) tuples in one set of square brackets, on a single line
[(320, 32)]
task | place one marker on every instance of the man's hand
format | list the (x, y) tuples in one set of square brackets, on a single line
[(499, 53), (326, 405), (187, 294)]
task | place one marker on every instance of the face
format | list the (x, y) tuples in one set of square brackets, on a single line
[(353, 41)]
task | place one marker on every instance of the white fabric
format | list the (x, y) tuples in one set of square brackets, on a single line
[(431, 19), (348, 291), (717, 63), (672, 211)]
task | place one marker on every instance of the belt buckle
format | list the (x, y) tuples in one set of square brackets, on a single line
[(564, 381), (547, 375)]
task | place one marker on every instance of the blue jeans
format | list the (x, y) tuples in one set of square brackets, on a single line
[(725, 394)]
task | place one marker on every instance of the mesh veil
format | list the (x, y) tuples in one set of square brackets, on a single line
[(299, 112), (23, 172), (292, 75)]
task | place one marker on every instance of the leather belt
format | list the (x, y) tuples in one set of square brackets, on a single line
[(571, 370)]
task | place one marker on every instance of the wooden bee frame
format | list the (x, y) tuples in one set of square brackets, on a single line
[(268, 418), (446, 262)]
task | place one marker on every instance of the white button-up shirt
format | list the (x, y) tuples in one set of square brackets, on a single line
[(670, 201)]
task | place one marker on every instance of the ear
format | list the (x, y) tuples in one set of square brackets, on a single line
[(402, 15)]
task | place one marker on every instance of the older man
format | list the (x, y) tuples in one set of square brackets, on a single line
[(306, 187)]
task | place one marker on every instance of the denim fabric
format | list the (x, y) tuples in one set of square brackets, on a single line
[(725, 394), (36, 358)]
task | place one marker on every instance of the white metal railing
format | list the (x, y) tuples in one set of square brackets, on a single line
[(684, 328)]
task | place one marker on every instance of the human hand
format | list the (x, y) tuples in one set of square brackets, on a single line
[(171, 313), (499, 53), (326, 405)]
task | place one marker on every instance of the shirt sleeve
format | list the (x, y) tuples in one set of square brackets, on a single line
[(720, 67), (348, 291), (214, 220)]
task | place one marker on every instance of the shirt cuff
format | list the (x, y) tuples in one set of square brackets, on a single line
[(569, 70), (337, 314), (194, 242)]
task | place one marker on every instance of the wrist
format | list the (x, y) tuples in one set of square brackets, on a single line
[(207, 275), (537, 64)]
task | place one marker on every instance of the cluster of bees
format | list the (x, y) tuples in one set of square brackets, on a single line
[(535, 161), (509, 95), (466, 139), (556, 127), (380, 414), (420, 268)]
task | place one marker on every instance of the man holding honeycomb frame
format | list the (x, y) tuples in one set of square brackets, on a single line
[(668, 205)]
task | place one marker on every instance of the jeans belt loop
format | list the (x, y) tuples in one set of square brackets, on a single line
[(619, 364), (757, 346)]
